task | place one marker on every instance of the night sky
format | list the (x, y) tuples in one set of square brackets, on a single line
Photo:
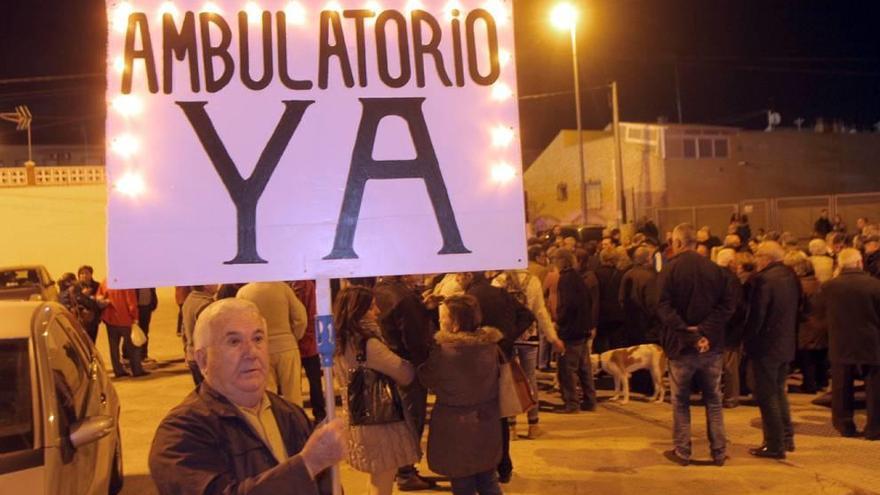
[(735, 60)]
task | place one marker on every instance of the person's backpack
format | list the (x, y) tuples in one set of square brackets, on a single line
[(517, 290)]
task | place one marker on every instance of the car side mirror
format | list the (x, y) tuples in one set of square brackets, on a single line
[(91, 430)]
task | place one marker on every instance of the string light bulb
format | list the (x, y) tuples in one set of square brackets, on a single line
[(254, 12), (499, 11), (295, 13), (131, 184), (211, 8), (127, 105), (125, 145), (503, 172), (120, 16), (504, 57), (168, 8), (333, 6), (449, 7), (119, 64), (502, 136), (501, 91)]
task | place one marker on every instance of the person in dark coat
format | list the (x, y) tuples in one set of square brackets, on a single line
[(464, 438), (822, 226), (695, 304), (852, 306), (88, 287), (231, 435), (770, 337), (610, 325), (408, 330), (574, 317), (812, 335), (733, 332), (148, 301), (502, 311), (871, 244), (638, 298)]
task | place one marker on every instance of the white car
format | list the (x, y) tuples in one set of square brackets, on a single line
[(59, 413)]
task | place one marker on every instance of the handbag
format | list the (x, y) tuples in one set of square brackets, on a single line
[(138, 337), (515, 395), (373, 398)]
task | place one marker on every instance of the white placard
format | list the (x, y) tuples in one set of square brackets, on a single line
[(285, 140)]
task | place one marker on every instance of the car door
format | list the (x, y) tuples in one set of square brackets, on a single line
[(69, 368)]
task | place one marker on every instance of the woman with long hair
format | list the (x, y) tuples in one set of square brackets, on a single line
[(377, 449)]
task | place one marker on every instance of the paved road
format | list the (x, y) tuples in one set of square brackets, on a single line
[(617, 449)]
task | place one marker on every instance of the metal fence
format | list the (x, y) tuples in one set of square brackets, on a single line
[(51, 176), (795, 214)]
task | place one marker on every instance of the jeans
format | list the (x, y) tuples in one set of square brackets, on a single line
[(131, 351), (706, 369), (772, 398), (312, 367), (485, 483), (545, 352), (730, 376), (843, 398), (145, 314), (814, 366), (576, 362), (528, 359)]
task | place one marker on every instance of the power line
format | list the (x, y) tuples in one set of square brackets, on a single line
[(22, 80)]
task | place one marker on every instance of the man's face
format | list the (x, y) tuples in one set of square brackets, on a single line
[(871, 246), (464, 279), (85, 276), (236, 362), (606, 243)]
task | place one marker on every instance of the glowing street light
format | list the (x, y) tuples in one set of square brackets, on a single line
[(564, 16)]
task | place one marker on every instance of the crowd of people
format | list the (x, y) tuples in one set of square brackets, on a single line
[(734, 317)]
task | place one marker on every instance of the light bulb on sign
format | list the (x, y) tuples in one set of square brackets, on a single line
[(295, 13), (127, 105), (131, 184), (373, 6), (504, 57), (120, 16), (502, 136), (211, 8), (334, 6), (168, 8), (119, 64), (254, 12), (413, 5), (501, 91), (499, 11), (125, 145), (503, 172)]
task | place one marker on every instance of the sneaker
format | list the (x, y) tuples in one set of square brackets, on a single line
[(720, 460), (535, 431), (588, 406)]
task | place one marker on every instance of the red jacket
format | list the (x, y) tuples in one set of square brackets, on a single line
[(123, 308), (305, 291)]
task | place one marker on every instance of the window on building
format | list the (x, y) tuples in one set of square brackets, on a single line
[(562, 191), (721, 148), (690, 148), (705, 146)]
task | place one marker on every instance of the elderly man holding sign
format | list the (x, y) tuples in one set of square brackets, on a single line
[(230, 435)]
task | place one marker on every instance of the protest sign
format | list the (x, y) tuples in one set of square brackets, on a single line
[(285, 140)]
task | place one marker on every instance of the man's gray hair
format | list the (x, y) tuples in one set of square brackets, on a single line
[(770, 249), (849, 258), (570, 260), (216, 314), (686, 234), (642, 257), (818, 247), (725, 257)]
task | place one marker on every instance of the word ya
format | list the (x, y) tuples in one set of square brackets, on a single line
[(417, 50)]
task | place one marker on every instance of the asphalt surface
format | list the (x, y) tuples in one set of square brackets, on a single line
[(616, 449)]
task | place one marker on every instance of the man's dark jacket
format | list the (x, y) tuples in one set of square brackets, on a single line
[(852, 306), (574, 309), (638, 298), (693, 292), (733, 332), (774, 303), (610, 311), (502, 311), (406, 324), (205, 446), (872, 264)]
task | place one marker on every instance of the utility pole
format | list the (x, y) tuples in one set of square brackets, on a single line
[(618, 157), (678, 93), (580, 131), (22, 119)]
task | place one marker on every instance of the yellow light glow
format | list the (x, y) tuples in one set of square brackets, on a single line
[(119, 64), (211, 7), (120, 16), (374, 6), (128, 105), (254, 12), (503, 173), (334, 6), (504, 57), (502, 136), (413, 5), (131, 184), (501, 91), (499, 11), (564, 16), (125, 145), (168, 8), (295, 13)]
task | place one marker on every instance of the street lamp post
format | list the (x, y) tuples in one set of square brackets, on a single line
[(565, 16)]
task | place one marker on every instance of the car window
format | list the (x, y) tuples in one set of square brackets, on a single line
[(69, 371), (19, 278), (16, 408)]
